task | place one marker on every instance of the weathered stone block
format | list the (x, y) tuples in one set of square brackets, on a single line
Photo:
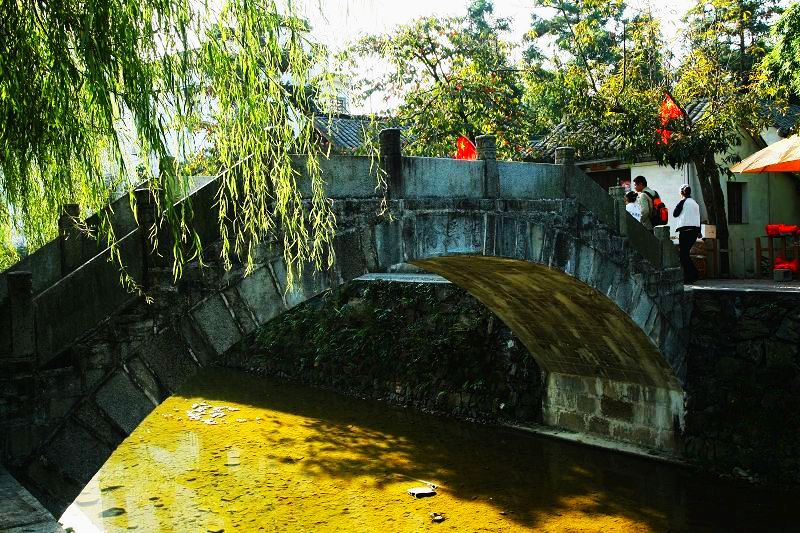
[(77, 453), (617, 409), (571, 421), (599, 426), (587, 405), (258, 291), (147, 382), (123, 402), (201, 349), (215, 320), (241, 313), (170, 359), (350, 261), (90, 416)]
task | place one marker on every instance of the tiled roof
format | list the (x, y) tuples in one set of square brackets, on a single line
[(344, 132), (598, 146), (786, 119)]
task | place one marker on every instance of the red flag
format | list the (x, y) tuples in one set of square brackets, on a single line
[(465, 149), (666, 112)]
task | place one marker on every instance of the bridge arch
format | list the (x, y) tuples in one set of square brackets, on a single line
[(595, 298)]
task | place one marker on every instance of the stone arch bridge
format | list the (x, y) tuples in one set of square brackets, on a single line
[(595, 298)]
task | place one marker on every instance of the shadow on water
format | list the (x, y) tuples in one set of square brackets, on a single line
[(526, 478)]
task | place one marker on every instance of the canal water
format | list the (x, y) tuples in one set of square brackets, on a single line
[(236, 452)]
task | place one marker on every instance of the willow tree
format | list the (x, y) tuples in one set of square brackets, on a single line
[(83, 84)]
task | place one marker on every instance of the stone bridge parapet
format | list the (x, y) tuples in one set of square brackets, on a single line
[(596, 299)]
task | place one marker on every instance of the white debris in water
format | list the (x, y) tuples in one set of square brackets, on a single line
[(209, 414)]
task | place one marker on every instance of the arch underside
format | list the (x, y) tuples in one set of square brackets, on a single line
[(569, 327)]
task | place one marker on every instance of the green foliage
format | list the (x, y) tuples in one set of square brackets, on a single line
[(780, 68), (83, 81), (733, 32), (583, 30), (452, 76)]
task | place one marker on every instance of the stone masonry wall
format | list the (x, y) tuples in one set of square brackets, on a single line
[(429, 346), (743, 414)]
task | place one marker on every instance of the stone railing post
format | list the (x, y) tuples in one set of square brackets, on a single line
[(487, 152), (70, 238), (20, 297), (618, 196), (565, 156), (669, 258), (392, 161)]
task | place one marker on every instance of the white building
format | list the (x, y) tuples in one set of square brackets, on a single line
[(751, 200)]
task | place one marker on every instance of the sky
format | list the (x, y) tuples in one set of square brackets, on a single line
[(345, 21)]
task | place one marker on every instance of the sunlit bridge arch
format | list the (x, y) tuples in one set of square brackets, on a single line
[(595, 298)]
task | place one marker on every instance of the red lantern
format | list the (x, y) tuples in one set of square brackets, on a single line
[(465, 149)]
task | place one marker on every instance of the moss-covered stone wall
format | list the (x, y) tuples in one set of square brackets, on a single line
[(743, 415), (430, 346)]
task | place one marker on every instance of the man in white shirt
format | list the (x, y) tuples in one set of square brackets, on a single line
[(687, 219), (632, 207)]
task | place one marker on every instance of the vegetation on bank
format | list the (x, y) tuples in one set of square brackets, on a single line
[(430, 345)]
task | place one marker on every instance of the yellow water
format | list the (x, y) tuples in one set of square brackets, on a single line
[(287, 458)]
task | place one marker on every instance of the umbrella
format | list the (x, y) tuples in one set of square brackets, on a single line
[(783, 156)]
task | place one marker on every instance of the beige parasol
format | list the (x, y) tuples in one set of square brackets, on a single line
[(783, 156)]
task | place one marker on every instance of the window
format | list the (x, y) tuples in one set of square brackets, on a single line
[(737, 202)]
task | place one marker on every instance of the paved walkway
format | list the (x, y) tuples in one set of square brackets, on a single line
[(746, 285), (20, 512)]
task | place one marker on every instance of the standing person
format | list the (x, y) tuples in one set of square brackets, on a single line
[(687, 214), (632, 207), (645, 201)]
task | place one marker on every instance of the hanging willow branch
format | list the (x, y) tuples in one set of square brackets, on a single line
[(83, 84)]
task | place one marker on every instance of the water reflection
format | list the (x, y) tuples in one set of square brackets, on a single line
[(282, 457)]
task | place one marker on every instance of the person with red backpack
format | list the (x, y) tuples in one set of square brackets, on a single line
[(654, 211)]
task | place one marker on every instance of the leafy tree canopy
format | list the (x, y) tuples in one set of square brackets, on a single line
[(452, 76), (780, 68), (734, 32)]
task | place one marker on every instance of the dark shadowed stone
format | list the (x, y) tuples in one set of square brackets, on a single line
[(77, 453), (170, 359), (143, 377), (789, 331), (196, 341), (90, 416), (587, 405), (350, 262), (573, 421), (123, 402), (20, 511), (751, 328), (617, 409), (598, 425)]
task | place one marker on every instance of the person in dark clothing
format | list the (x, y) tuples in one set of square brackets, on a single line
[(687, 218)]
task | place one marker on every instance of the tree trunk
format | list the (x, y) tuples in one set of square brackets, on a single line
[(714, 199)]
